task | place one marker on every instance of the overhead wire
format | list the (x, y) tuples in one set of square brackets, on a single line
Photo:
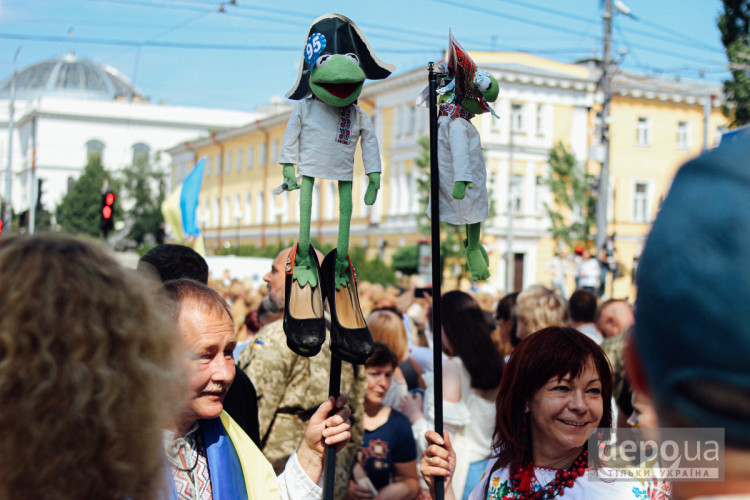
[(238, 11), (483, 10), (174, 45), (678, 38)]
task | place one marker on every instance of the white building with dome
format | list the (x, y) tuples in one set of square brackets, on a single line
[(68, 107)]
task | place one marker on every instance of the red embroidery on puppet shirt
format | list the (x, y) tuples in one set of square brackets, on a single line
[(345, 125)]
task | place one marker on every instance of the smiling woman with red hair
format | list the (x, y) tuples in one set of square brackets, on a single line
[(554, 394)]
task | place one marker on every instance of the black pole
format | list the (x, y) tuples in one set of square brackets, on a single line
[(329, 464), (437, 329)]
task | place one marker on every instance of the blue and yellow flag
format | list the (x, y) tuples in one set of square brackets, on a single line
[(180, 208)]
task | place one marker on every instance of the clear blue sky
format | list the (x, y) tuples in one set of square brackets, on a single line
[(191, 54)]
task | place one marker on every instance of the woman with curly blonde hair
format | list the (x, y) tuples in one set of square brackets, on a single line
[(86, 362), (538, 307)]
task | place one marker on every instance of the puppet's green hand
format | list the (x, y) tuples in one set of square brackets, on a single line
[(372, 188), (459, 189), (289, 178)]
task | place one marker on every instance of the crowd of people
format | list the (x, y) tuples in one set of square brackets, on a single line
[(162, 383)]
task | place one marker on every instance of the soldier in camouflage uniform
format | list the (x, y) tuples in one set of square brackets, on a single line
[(290, 388)]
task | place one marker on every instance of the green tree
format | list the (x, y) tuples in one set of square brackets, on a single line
[(573, 203), (406, 259), (734, 25), (372, 270), (142, 183), (78, 212)]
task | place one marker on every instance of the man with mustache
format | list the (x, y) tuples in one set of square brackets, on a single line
[(170, 262), (209, 454)]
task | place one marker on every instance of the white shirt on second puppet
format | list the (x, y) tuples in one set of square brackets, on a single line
[(460, 158)]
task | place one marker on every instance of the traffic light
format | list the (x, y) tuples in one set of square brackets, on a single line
[(107, 222)]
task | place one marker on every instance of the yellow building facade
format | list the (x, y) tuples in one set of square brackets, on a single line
[(540, 103), (656, 126)]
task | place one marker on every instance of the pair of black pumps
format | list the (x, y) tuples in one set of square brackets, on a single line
[(304, 323)]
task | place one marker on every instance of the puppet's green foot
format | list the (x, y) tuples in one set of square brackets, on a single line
[(342, 272), (305, 271), (478, 261), (484, 252), (477, 265)]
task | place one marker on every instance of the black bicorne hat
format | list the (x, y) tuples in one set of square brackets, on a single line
[(339, 36)]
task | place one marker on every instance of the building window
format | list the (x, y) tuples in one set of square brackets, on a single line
[(411, 122), (140, 151), (263, 154), (421, 120), (260, 202), (228, 166), (330, 200), (206, 214), (209, 166), (516, 117), (539, 194), (411, 193), (491, 186), (250, 157), (415, 194), (294, 203), (239, 160), (215, 215), (248, 210), (275, 151), (516, 192), (641, 201), (399, 121), (683, 135), (283, 214), (316, 202), (494, 124), (219, 163), (93, 147), (643, 132), (539, 119), (182, 171), (237, 212), (393, 196), (225, 213)]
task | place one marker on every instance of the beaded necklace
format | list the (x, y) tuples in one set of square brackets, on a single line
[(520, 480)]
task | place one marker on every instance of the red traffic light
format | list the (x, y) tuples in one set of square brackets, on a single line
[(109, 199), (107, 212)]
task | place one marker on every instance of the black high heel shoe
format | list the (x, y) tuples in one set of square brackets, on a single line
[(350, 338), (304, 323)]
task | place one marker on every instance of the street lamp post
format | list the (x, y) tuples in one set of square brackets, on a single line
[(9, 168), (602, 201), (509, 235)]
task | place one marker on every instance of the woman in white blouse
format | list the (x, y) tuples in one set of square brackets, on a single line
[(472, 368)]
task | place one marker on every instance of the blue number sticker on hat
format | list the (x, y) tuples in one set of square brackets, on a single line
[(315, 45)]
